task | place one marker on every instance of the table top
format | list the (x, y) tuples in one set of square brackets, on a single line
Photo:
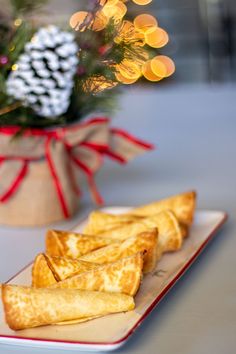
[(194, 129)]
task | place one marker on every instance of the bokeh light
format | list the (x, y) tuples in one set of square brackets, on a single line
[(124, 80), (148, 72), (78, 19), (161, 61), (116, 11), (145, 22), (100, 22), (158, 67), (14, 67), (18, 22), (135, 36), (142, 2), (97, 84), (108, 2), (129, 69), (156, 37)]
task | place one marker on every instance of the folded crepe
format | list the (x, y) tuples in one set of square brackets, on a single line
[(72, 244), (27, 307), (143, 242), (48, 270), (183, 206), (169, 232), (100, 221), (123, 276), (42, 275)]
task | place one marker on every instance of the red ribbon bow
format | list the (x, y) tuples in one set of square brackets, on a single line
[(84, 144)]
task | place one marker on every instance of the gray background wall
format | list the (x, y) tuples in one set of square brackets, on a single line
[(202, 34)]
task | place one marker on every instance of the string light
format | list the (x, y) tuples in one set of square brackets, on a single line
[(117, 11), (100, 22), (18, 22), (80, 20), (148, 72), (14, 67), (142, 2), (128, 33), (142, 31), (159, 63), (129, 70), (33, 39), (156, 37), (124, 80), (108, 2), (3, 60), (144, 22), (98, 83), (158, 67)]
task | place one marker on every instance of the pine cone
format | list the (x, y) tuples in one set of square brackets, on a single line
[(44, 73)]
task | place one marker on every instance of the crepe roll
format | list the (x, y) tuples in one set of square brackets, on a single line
[(72, 244), (123, 276), (143, 242), (169, 232), (99, 221), (183, 205), (27, 307), (48, 270)]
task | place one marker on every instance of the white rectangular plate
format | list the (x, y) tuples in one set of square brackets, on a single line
[(110, 332)]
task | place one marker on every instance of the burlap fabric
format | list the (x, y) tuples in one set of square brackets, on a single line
[(38, 182)]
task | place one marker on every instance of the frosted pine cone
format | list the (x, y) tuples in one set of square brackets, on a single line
[(44, 73)]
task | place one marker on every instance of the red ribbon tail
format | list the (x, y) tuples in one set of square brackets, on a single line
[(92, 185), (16, 183), (94, 191), (56, 179), (145, 145), (114, 156)]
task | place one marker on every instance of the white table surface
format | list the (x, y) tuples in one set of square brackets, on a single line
[(194, 128)]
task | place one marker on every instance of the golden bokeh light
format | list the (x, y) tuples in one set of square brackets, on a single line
[(124, 80), (158, 67), (156, 37), (142, 2), (100, 22), (80, 20), (18, 22), (122, 7), (98, 83), (108, 2), (117, 11), (148, 72), (128, 33), (139, 39), (14, 67), (161, 61), (129, 69), (134, 36), (127, 27), (142, 56), (145, 22)]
